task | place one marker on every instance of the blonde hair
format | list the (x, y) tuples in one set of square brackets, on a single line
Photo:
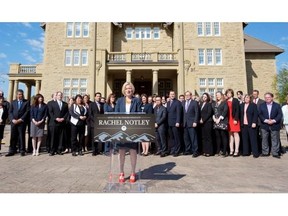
[(126, 84)]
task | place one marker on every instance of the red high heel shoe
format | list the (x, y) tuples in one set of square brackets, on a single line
[(121, 178), (132, 178)]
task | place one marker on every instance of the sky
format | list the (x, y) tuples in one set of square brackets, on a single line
[(23, 43)]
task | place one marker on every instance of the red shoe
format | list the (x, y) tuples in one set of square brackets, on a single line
[(121, 178), (132, 178)]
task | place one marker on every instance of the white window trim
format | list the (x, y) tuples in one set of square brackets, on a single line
[(71, 57), (213, 84), (67, 30), (212, 58), (211, 29), (205, 82), (222, 85), (217, 35), (79, 57), (126, 33), (204, 58), (221, 55), (85, 36), (76, 30), (202, 29), (82, 64), (156, 38)]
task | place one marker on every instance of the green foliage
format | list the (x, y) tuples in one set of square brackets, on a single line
[(280, 85)]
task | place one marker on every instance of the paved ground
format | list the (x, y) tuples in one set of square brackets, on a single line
[(87, 174)]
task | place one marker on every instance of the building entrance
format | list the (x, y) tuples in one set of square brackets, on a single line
[(143, 87)]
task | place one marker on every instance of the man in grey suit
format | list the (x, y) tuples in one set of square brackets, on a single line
[(190, 120), (160, 113)]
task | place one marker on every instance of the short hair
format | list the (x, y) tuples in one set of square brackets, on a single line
[(181, 95), (126, 84), (229, 90), (269, 93), (255, 90), (59, 92), (21, 91), (98, 93), (239, 92), (247, 95), (188, 92)]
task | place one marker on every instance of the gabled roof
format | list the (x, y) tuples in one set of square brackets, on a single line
[(255, 45)]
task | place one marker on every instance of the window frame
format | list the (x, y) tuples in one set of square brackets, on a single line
[(84, 24), (204, 54)]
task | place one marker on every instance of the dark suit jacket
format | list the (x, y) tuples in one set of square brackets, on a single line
[(55, 112), (160, 116), (121, 105), (276, 114), (147, 108), (23, 113), (206, 112), (174, 113), (93, 111), (4, 115), (192, 114), (39, 114), (251, 113), (109, 108), (222, 111)]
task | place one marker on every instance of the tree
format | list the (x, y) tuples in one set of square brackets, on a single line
[(280, 85)]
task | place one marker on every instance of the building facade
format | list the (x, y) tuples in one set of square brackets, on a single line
[(155, 57)]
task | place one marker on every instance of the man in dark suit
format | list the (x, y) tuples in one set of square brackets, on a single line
[(58, 112), (95, 108), (160, 113), (270, 114), (174, 116), (258, 101), (19, 117), (48, 139), (190, 120)]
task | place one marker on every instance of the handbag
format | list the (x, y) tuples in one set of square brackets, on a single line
[(220, 126)]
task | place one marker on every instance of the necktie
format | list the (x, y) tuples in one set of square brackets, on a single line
[(187, 105), (98, 105), (60, 104), (19, 104)]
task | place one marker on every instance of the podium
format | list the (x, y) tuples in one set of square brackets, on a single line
[(124, 134)]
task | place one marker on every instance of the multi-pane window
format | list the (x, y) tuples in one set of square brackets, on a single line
[(211, 81), (77, 29), (156, 32), (200, 29), (202, 82), (220, 90), (129, 34), (68, 57), (210, 56), (211, 91), (216, 27), (67, 82), (218, 56), (85, 27), (219, 82), (74, 86), (69, 31), (75, 82), (201, 54), (66, 94), (142, 33), (208, 29), (76, 57), (202, 91), (83, 83)]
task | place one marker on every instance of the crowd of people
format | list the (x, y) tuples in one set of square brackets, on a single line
[(190, 125)]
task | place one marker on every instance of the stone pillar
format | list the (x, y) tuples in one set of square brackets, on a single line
[(37, 87), (10, 91), (128, 75), (155, 82), (16, 83), (28, 91)]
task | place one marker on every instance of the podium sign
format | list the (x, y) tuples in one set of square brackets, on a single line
[(124, 128)]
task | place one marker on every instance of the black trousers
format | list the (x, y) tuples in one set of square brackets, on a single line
[(94, 144), (190, 140), (174, 133), (17, 136), (57, 138), (206, 135), (161, 139), (221, 138), (77, 131), (249, 138), (1, 133)]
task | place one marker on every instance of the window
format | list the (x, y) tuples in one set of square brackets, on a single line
[(202, 91), (83, 83), (216, 26), (82, 91), (211, 81), (66, 94), (156, 32), (75, 82), (84, 54), (67, 82), (211, 91), (219, 82), (76, 57), (69, 31), (201, 54), (202, 82), (210, 56), (129, 33), (68, 56), (220, 90), (208, 29), (137, 33), (85, 26), (148, 33), (200, 29), (218, 56), (74, 92), (77, 29)]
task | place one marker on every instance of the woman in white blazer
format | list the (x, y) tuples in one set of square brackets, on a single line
[(285, 116)]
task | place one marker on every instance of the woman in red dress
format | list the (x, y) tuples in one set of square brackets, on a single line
[(233, 122)]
